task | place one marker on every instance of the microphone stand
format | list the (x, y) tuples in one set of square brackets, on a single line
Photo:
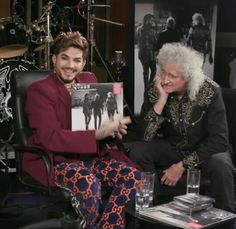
[(48, 40), (92, 44), (39, 25)]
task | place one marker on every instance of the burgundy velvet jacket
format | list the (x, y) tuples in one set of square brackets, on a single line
[(48, 108)]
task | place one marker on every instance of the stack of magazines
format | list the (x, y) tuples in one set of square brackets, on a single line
[(191, 203), (199, 219)]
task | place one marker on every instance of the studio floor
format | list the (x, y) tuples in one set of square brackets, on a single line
[(21, 207)]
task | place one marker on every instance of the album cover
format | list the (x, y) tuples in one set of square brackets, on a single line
[(95, 103)]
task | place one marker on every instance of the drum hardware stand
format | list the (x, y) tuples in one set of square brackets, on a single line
[(5, 210), (90, 17), (4, 154), (48, 38), (118, 62), (39, 26), (16, 19)]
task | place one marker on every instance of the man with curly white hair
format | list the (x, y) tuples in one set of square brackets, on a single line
[(184, 124)]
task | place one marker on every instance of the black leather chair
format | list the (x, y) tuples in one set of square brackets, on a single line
[(229, 97), (19, 83)]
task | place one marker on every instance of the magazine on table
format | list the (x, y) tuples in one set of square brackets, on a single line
[(194, 200), (201, 219), (95, 103), (179, 206)]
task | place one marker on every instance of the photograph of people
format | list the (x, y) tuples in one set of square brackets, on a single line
[(147, 44), (191, 24), (199, 37), (87, 110), (111, 106), (169, 34), (97, 110)]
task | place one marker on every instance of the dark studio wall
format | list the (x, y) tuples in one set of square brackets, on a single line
[(225, 43)]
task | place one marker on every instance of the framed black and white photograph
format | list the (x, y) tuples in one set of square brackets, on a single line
[(160, 21)]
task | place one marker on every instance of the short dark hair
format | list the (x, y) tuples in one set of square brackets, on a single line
[(147, 18), (66, 40)]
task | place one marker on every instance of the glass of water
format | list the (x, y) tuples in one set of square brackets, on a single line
[(150, 177), (193, 181), (142, 195)]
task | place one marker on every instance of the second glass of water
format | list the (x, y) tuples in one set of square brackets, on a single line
[(150, 178)]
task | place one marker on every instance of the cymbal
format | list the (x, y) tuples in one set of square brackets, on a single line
[(9, 51), (5, 19), (39, 48)]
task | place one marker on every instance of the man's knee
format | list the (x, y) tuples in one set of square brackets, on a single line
[(137, 151)]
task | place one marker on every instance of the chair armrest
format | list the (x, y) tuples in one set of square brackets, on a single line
[(34, 150)]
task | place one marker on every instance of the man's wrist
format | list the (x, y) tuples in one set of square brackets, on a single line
[(184, 164)]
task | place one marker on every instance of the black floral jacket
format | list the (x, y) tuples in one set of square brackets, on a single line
[(197, 129)]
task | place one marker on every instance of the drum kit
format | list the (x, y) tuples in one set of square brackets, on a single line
[(19, 43)]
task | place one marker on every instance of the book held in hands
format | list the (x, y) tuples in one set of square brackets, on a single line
[(95, 103)]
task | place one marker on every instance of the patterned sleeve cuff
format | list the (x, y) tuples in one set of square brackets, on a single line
[(191, 161), (154, 121)]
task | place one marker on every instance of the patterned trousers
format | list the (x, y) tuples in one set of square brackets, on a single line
[(85, 179)]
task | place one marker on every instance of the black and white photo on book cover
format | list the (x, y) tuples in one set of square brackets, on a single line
[(95, 103)]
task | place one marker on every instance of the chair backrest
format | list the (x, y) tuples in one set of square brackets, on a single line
[(20, 80), (229, 97)]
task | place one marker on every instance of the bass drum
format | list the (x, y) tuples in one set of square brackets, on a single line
[(6, 70)]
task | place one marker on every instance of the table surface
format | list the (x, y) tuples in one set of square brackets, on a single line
[(135, 221)]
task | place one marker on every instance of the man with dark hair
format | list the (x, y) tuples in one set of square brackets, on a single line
[(147, 42), (48, 108)]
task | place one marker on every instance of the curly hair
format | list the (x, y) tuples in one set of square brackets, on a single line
[(199, 18), (170, 22), (66, 40), (189, 63)]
